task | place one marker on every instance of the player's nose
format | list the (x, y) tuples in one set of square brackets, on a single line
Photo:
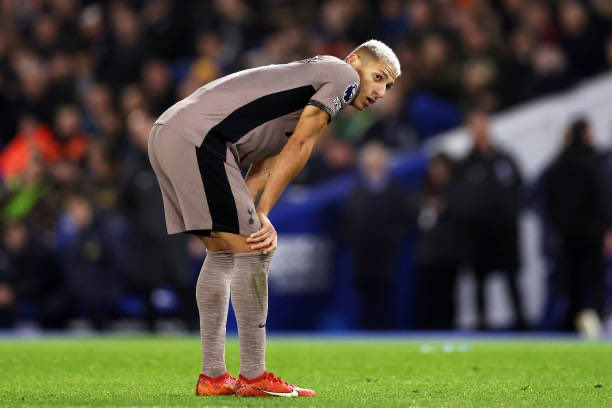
[(379, 92)]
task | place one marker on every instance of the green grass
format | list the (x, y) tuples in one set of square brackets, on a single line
[(397, 373)]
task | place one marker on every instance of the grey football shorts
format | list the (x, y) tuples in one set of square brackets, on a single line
[(202, 194)]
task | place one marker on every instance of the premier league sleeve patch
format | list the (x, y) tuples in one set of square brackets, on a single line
[(349, 92), (337, 104)]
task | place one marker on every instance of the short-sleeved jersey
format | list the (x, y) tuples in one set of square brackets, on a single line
[(251, 114)]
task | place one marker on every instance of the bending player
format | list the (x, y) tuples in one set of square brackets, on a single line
[(267, 118)]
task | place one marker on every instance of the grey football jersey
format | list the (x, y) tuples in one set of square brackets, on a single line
[(249, 115)]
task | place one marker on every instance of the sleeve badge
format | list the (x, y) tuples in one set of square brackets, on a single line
[(349, 92), (337, 104)]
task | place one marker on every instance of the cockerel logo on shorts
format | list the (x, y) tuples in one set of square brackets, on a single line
[(349, 92)]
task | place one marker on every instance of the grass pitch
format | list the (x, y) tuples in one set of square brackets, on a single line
[(345, 373)]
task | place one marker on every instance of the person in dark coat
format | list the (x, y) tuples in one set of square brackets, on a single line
[(440, 249), (492, 187), (31, 281), (575, 212), (93, 259), (376, 218)]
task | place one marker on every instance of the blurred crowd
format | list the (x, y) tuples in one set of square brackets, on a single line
[(81, 82)]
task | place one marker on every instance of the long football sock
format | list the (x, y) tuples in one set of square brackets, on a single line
[(250, 302), (213, 294)]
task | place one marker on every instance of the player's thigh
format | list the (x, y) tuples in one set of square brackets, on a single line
[(236, 243), (225, 241), (214, 244)]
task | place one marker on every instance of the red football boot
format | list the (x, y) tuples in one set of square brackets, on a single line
[(224, 384), (269, 385)]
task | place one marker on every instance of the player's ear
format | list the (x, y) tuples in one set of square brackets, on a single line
[(353, 59)]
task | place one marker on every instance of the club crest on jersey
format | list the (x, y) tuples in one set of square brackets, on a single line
[(337, 104), (349, 92)]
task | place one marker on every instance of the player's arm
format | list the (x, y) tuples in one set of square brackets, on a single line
[(257, 177), (289, 163), (294, 155)]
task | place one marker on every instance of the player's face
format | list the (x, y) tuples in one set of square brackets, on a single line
[(376, 78)]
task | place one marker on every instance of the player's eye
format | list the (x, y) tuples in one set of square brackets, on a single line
[(378, 77)]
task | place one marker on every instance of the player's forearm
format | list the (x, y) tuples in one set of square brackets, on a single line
[(290, 162), (294, 155)]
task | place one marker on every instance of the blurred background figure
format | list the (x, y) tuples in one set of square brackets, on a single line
[(376, 218), (492, 187), (92, 260), (441, 244), (575, 213), (32, 285)]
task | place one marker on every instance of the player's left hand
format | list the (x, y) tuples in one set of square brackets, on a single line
[(266, 238)]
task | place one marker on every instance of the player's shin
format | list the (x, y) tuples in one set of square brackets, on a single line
[(250, 302), (212, 294)]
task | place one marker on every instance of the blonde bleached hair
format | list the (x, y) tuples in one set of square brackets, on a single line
[(380, 51)]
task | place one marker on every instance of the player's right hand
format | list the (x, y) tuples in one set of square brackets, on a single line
[(266, 238)]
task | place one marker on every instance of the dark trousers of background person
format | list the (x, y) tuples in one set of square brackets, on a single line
[(50, 312), (437, 297), (373, 274), (579, 266), (481, 273), (8, 315), (97, 306), (160, 263), (376, 307)]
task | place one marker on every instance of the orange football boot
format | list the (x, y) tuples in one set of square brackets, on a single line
[(224, 384), (269, 385)]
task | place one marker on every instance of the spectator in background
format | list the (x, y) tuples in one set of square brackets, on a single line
[(93, 261), (440, 249), (157, 86), (128, 49), (579, 36), (34, 97), (549, 72), (575, 212), (33, 142), (331, 157), (102, 175), (31, 280), (72, 142), (392, 128), (436, 72), (212, 56), (492, 187), (522, 43), (376, 217), (22, 193), (63, 81)]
